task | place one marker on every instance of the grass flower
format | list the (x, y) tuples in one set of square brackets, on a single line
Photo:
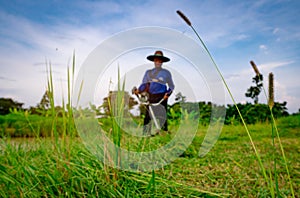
[(255, 68), (271, 90), (184, 17)]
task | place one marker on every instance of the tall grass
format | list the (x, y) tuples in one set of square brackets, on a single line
[(34, 169), (116, 108), (270, 99), (268, 180)]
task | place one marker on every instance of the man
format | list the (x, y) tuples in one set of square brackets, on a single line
[(155, 83)]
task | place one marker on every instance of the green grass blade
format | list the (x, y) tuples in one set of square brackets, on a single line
[(274, 126), (235, 104)]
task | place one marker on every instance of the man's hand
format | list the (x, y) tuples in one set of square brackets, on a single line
[(166, 96), (135, 91)]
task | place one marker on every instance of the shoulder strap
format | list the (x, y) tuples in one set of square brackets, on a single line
[(153, 75)]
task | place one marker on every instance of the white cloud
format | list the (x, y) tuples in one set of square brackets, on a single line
[(268, 67), (263, 47), (27, 48)]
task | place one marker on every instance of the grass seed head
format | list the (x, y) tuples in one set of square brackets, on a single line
[(184, 17), (271, 90), (255, 68)]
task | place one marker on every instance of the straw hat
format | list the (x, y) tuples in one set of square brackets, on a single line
[(158, 54)]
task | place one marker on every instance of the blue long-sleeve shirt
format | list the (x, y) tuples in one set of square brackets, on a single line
[(158, 79)]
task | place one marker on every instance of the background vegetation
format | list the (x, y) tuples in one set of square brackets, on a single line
[(18, 122)]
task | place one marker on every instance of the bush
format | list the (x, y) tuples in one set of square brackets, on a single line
[(18, 125)]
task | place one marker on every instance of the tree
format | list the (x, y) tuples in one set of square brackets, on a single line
[(45, 101), (180, 98), (7, 103), (43, 106), (254, 91), (110, 102), (254, 113)]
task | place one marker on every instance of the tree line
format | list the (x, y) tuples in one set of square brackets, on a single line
[(252, 113)]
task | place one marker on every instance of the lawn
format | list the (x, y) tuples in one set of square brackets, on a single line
[(63, 167)]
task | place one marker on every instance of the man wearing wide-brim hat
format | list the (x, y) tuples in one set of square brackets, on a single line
[(159, 84)]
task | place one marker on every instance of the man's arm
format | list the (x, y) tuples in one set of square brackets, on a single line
[(146, 77), (170, 84)]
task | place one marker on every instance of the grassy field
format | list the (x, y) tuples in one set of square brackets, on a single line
[(63, 167)]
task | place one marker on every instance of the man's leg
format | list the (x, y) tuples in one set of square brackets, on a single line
[(161, 116), (165, 118), (147, 124)]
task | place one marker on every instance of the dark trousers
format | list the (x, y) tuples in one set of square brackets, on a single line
[(159, 111)]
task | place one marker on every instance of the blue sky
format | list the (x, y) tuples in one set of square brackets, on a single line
[(235, 32)]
